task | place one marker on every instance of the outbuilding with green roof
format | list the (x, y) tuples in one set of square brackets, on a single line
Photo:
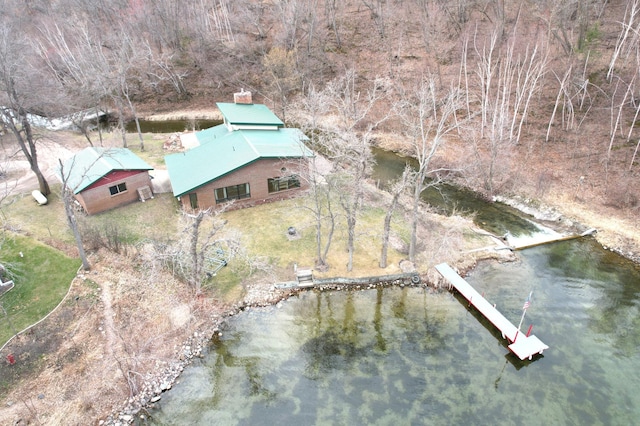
[(105, 178)]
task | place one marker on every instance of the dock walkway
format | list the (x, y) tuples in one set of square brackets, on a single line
[(522, 346)]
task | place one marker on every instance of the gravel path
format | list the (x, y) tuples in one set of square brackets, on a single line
[(20, 177)]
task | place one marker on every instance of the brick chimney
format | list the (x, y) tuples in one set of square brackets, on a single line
[(242, 97)]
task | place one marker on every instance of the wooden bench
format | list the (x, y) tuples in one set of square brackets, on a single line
[(304, 277)]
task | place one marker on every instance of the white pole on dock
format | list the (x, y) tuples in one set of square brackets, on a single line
[(527, 302)]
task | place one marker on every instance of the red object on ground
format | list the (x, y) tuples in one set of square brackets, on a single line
[(11, 359)]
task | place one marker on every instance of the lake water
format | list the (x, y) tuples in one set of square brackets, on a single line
[(170, 126), (497, 218), (409, 356)]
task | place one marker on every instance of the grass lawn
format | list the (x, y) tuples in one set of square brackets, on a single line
[(264, 233), (42, 277), (262, 229), (45, 223), (153, 152), (155, 218)]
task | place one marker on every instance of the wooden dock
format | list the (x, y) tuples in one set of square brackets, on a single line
[(554, 239), (522, 346)]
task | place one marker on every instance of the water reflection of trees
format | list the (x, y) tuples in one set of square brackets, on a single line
[(338, 341), (226, 359), (347, 331)]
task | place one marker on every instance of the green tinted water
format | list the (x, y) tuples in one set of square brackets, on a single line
[(411, 357), (494, 217), (170, 126)]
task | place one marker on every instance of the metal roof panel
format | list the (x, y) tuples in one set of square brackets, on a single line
[(91, 164), (221, 153), (248, 114)]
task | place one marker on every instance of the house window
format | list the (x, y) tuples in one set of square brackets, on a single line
[(117, 189), (234, 192), (283, 183), (193, 200)]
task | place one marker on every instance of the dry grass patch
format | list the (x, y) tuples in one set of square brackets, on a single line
[(45, 223), (264, 231), (154, 219), (153, 152)]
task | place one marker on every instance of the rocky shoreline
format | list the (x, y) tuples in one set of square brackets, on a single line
[(138, 408), (551, 217), (194, 347)]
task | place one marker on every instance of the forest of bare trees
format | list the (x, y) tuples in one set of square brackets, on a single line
[(539, 98), (509, 83)]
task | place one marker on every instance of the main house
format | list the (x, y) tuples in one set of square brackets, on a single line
[(251, 158), (104, 178)]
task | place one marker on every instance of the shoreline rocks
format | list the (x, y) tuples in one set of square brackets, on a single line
[(261, 296), (195, 346)]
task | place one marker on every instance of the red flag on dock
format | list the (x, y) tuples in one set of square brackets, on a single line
[(527, 301)]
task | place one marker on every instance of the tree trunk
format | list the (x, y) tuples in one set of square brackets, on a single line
[(121, 123), (73, 224), (196, 278), (396, 189), (42, 181), (387, 230), (71, 217), (351, 227), (27, 145), (98, 123), (320, 259), (33, 161), (414, 223), (418, 187), (135, 117)]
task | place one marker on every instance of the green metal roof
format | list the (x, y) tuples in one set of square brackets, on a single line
[(89, 165), (222, 151), (248, 114)]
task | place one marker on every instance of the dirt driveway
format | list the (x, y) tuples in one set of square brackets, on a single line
[(17, 177)]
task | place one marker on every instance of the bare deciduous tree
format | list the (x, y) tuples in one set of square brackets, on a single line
[(378, 10), (283, 78), (427, 119), (439, 25), (97, 66), (345, 137), (324, 214), (290, 15), (397, 188), (349, 145), (198, 249), (353, 155), (307, 113), (508, 83), (68, 201), (629, 36), (19, 96), (561, 18), (332, 11)]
